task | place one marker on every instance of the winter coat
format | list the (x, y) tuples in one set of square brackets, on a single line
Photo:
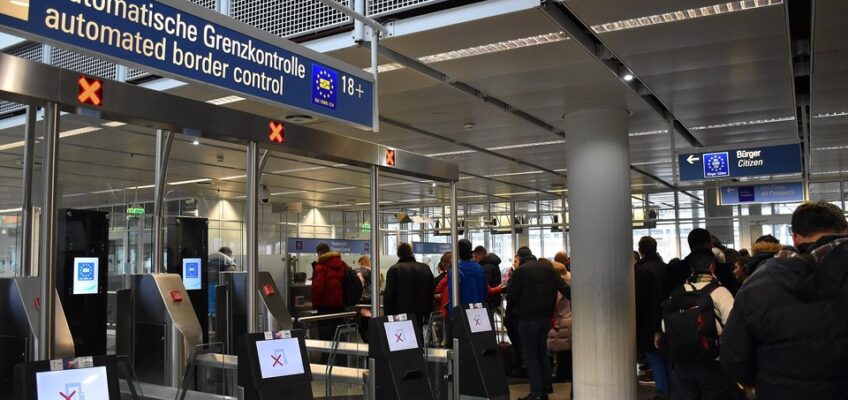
[(472, 286), (650, 271), (327, 279), (409, 289), (491, 264), (559, 337), (532, 291), (761, 252), (784, 334)]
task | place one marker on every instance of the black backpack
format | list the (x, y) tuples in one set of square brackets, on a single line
[(352, 287), (690, 322)]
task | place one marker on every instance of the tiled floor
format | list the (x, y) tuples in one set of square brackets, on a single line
[(562, 391)]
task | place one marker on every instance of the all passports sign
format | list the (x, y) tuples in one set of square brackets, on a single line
[(741, 162), (185, 41)]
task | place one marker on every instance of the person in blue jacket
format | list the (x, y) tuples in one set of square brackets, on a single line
[(473, 287)]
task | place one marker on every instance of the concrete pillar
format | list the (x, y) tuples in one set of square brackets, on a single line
[(603, 292), (721, 228)]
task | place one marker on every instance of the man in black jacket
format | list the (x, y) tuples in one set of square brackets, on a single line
[(650, 270), (409, 286), (491, 264), (788, 333), (533, 295)]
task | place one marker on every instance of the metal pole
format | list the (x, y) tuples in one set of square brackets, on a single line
[(164, 140), (26, 203), (454, 287), (358, 26), (47, 240), (375, 268), (375, 44), (252, 211), (674, 179), (514, 234), (564, 231)]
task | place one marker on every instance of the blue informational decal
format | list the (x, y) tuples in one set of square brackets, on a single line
[(430, 248), (86, 274), (344, 246), (766, 193), (742, 162), (191, 274), (716, 165), (185, 42)]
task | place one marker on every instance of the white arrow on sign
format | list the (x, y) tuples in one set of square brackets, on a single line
[(691, 159)]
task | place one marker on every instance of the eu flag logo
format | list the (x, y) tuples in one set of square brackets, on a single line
[(85, 272), (192, 270), (324, 83), (716, 165)]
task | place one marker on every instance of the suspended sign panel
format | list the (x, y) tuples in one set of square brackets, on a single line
[(741, 162), (767, 193), (188, 42), (345, 246)]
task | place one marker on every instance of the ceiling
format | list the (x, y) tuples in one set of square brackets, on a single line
[(728, 78)]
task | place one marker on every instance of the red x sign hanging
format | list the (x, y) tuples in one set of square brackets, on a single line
[(390, 157), (277, 133), (90, 91), (277, 360)]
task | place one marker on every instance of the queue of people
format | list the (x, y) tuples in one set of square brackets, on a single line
[(769, 324)]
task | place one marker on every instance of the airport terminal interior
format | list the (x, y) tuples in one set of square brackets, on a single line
[(170, 171)]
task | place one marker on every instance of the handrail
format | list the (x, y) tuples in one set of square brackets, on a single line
[(324, 317)]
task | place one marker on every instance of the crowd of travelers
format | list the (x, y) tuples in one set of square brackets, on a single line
[(769, 323)]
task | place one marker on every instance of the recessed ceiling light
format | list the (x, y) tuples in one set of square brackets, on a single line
[(299, 118), (681, 15), (195, 142), (114, 124), (628, 77), (225, 100)]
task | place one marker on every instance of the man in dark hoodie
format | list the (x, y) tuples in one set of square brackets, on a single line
[(678, 271), (764, 247), (788, 332), (409, 286), (650, 270), (327, 288), (511, 319), (491, 264)]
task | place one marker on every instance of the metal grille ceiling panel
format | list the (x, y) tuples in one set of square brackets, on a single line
[(830, 85), (84, 64), (289, 18), (382, 7), (29, 51)]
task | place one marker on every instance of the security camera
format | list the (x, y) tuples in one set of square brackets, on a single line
[(264, 194)]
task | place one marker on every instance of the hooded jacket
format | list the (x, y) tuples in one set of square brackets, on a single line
[(472, 285), (491, 264), (784, 334), (327, 278), (761, 251), (650, 272)]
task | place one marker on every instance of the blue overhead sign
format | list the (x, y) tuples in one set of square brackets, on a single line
[(345, 246), (767, 193), (430, 248), (185, 41), (748, 161)]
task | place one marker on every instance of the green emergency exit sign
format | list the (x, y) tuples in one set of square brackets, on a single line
[(135, 210)]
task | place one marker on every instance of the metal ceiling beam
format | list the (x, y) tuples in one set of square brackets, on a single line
[(800, 15), (583, 35)]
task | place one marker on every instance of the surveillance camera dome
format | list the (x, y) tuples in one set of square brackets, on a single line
[(264, 194)]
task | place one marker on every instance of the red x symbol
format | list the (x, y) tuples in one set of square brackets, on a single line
[(278, 132), (390, 157), (477, 321), (277, 360), (90, 91), (68, 396), (398, 337)]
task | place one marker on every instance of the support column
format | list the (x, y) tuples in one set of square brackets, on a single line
[(26, 203), (454, 289), (375, 269), (604, 333), (47, 237), (164, 140), (251, 221)]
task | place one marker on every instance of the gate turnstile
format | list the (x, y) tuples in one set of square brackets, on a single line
[(231, 305), (81, 278), (396, 345), (157, 327), (187, 256), (20, 308), (481, 372)]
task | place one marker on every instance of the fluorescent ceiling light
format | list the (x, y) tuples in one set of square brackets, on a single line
[(514, 194), (229, 178), (189, 181), (652, 162), (472, 196), (65, 134), (288, 171), (521, 146), (225, 100), (647, 133), (529, 41), (829, 148), (462, 178), (141, 187), (114, 124), (337, 188), (742, 123), (286, 193), (682, 15), (829, 172), (451, 153), (513, 174), (831, 115), (10, 210)]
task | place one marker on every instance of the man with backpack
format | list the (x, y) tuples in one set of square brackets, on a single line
[(788, 334), (693, 319)]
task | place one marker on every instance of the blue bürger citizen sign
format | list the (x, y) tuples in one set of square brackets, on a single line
[(740, 162), (185, 41)]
